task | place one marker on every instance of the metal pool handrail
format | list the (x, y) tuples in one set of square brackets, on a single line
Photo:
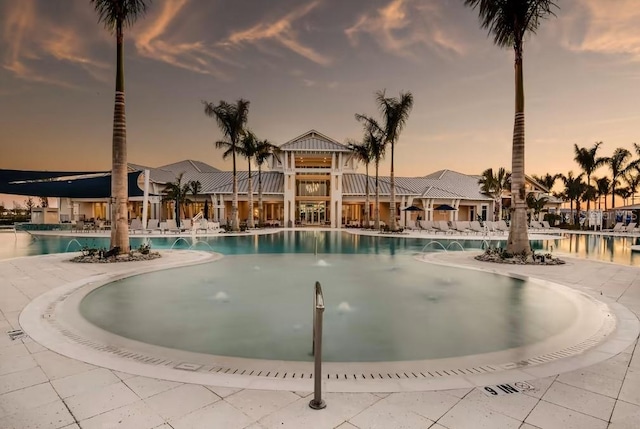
[(316, 349)]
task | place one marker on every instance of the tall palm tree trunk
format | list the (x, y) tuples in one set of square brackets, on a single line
[(613, 193), (588, 201), (499, 204), (250, 224), (376, 209), (119, 190), (518, 241), (366, 197), (260, 204), (234, 201), (392, 198)]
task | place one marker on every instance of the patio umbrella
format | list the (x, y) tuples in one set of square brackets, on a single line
[(206, 209), (444, 207), (411, 209)]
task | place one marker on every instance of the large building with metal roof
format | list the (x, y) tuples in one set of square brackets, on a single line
[(309, 180)]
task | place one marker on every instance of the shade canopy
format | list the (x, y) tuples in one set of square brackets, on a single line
[(413, 209), (444, 207), (66, 184)]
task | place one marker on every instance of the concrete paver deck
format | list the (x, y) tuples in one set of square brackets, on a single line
[(42, 389)]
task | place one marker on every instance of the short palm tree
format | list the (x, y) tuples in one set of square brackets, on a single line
[(264, 149), (625, 193), (374, 135), (588, 160), (548, 180), (617, 164), (177, 192), (195, 187), (603, 186), (249, 148), (363, 153), (232, 120), (395, 113), (574, 189), (510, 21), (116, 15), (632, 178), (494, 185), (536, 204)]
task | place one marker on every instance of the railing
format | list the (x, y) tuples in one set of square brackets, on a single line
[(316, 349), (197, 217)]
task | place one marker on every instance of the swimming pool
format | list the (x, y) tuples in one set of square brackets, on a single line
[(597, 247), (378, 308)]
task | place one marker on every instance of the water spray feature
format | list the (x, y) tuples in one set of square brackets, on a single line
[(433, 242), (70, 243), (179, 239)]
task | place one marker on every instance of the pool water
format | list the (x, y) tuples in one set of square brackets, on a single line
[(604, 248), (379, 307)]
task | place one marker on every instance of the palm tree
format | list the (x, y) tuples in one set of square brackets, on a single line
[(510, 21), (115, 15), (574, 189), (263, 150), (618, 168), (177, 192), (248, 148), (363, 153), (603, 186), (633, 181), (625, 193), (374, 135), (195, 187), (548, 180), (395, 112), (494, 185), (536, 203), (588, 161), (231, 119)]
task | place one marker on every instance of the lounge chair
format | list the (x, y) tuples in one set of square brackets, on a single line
[(152, 225), (443, 225), (501, 226), (135, 226), (630, 227), (475, 226), (202, 225), (534, 225), (172, 226), (461, 226), (185, 225), (426, 225), (617, 228)]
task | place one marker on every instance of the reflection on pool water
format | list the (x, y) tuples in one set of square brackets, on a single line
[(378, 308), (605, 248)]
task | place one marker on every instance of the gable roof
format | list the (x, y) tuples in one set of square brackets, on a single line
[(188, 165), (445, 184), (313, 141)]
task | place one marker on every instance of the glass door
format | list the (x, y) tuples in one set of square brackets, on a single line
[(312, 213)]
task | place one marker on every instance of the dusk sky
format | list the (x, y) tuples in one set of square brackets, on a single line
[(312, 65)]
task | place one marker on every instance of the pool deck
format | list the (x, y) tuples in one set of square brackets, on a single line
[(40, 388)]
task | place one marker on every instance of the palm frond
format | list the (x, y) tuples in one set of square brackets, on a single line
[(110, 12)]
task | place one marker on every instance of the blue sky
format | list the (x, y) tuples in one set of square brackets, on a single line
[(312, 65)]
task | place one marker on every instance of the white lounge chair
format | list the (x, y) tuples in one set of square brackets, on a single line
[(443, 225), (152, 226), (461, 226), (501, 226), (475, 226), (135, 226), (617, 228), (172, 226)]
